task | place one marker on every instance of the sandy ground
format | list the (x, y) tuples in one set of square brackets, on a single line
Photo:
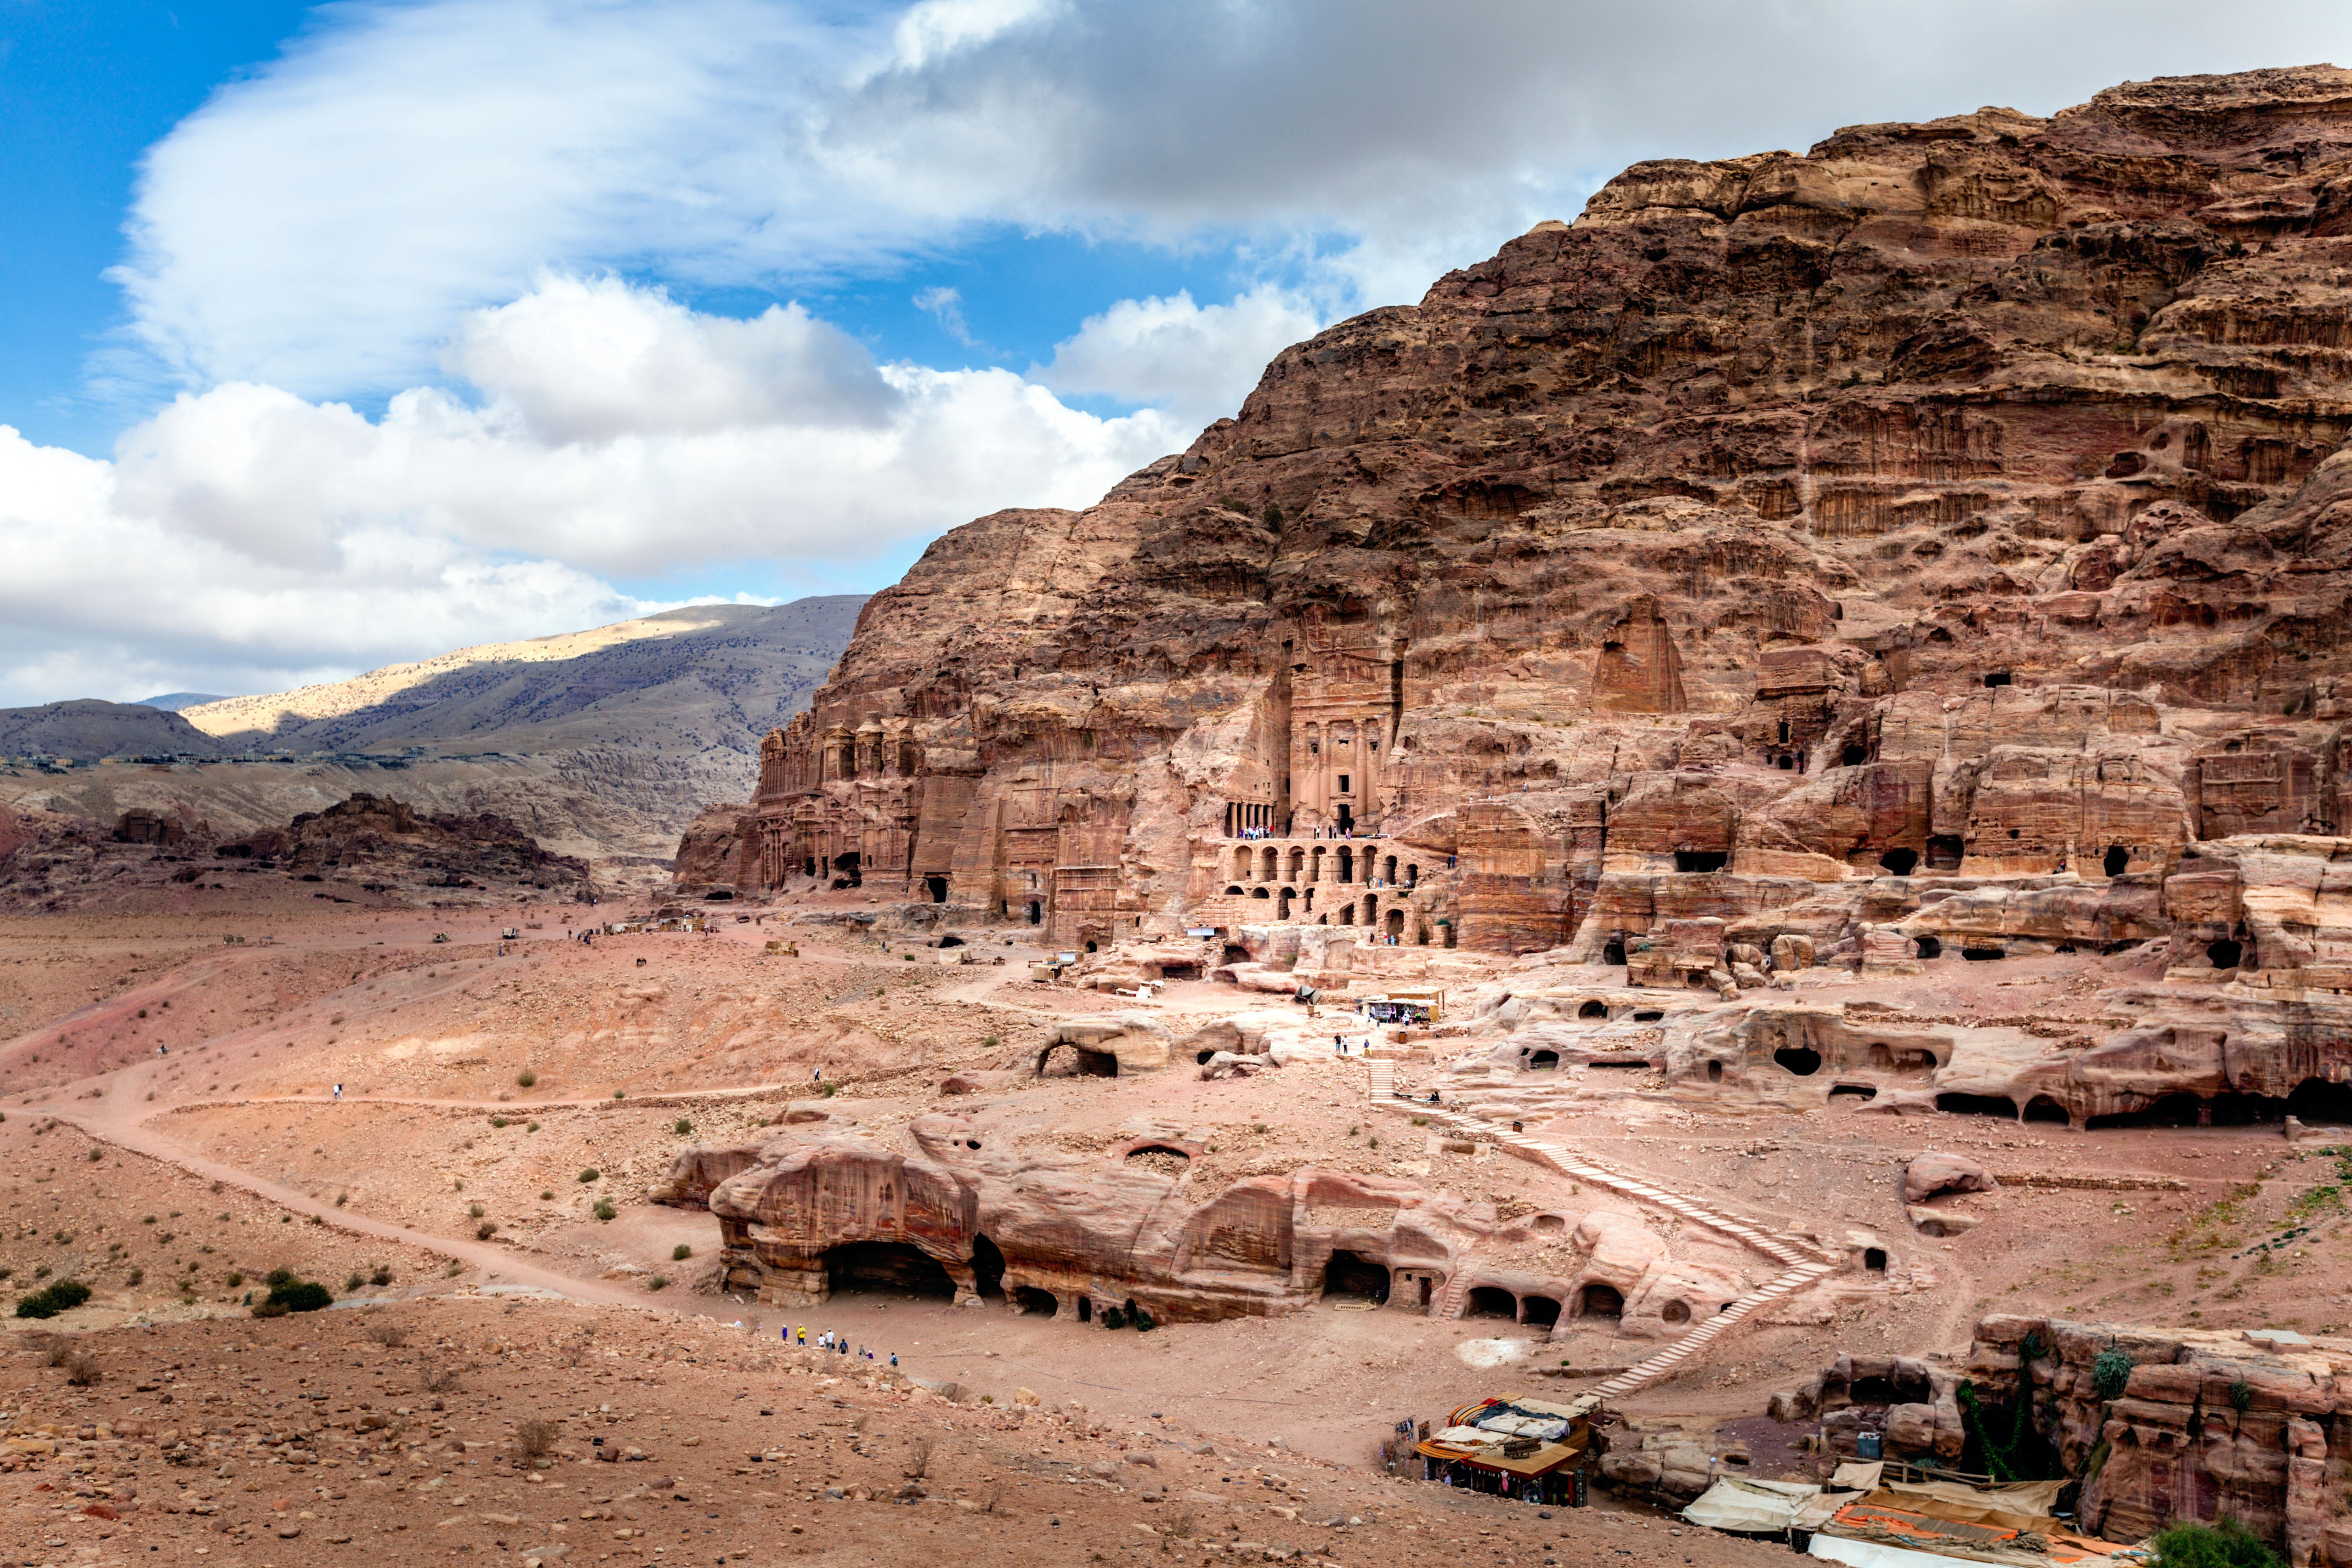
[(445, 1174)]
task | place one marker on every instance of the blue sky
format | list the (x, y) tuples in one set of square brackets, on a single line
[(345, 334)]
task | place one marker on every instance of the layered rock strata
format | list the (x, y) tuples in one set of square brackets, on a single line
[(1938, 530), (942, 1208)]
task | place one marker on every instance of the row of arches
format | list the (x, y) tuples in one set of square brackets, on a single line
[(1322, 862), (2312, 1100)]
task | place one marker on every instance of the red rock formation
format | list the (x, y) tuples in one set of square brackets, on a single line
[(1932, 541)]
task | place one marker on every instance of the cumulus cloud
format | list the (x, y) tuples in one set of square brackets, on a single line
[(319, 223), (247, 531), (1197, 362)]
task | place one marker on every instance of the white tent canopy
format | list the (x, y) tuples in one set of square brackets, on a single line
[(1754, 1508)]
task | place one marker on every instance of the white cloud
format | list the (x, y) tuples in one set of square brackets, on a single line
[(1199, 362), (243, 537), (945, 306)]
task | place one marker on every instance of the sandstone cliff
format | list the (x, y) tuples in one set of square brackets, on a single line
[(1953, 500)]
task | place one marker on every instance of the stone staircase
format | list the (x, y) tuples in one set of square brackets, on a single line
[(1382, 1086), (1648, 1371), (1803, 1264)]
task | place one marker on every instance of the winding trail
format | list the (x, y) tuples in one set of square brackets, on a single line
[(122, 1117)]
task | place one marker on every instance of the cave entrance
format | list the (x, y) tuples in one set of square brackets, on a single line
[(846, 864), (937, 887), (1082, 1063), (2117, 857), (1539, 1311), (1543, 1061), (1085, 1308), (1930, 946), (1035, 1303), (1595, 1008), (2180, 1109), (987, 1268), (1874, 1259), (1715, 1073), (2225, 954), (1854, 756), (1699, 861), (1611, 951), (2317, 1099), (1395, 922), (1855, 1090), (1959, 1104), (1801, 1060), (1036, 912), (1899, 862), (1490, 1301), (891, 1268), (1358, 1277), (2043, 1108), (1600, 1302), (1945, 851)]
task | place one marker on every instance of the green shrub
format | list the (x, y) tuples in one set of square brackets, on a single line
[(659, 1281), (473, 1211), (2109, 1372), (2242, 1395), (288, 1294), (605, 1209), (1113, 1318), (63, 1296), (498, 1122), (589, 1174), (526, 1078), (353, 1284), (234, 1279), (2225, 1544), (680, 1253), (382, 1275), (681, 1126), (1143, 1321)]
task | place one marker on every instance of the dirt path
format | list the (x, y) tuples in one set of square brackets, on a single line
[(122, 1118)]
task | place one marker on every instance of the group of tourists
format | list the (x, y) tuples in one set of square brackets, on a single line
[(828, 1341)]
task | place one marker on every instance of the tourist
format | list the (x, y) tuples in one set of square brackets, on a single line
[(339, 1091), (894, 1360)]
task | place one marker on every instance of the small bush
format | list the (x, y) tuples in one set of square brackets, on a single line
[(681, 1126), (2225, 1544), (620, 1093), (288, 1294), (1113, 1318), (390, 1335), (82, 1369), (354, 1283), (547, 1195), (1143, 1321), (535, 1439), (680, 1253), (605, 1209), (97, 1155), (485, 1229), (526, 1078), (437, 1377), (530, 1127), (382, 1275), (2109, 1372), (591, 1173), (63, 1296), (658, 1282), (135, 1276), (2242, 1395), (235, 1279), (341, 1199), (498, 1122), (474, 1211)]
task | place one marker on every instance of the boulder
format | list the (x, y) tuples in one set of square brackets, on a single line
[(1933, 1173)]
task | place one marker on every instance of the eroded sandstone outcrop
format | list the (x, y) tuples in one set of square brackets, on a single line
[(939, 1208)]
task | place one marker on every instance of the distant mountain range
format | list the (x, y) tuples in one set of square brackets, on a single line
[(602, 744), (173, 702)]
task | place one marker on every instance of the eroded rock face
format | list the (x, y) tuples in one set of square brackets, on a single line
[(712, 852), (940, 1210), (1951, 502), (2208, 1424)]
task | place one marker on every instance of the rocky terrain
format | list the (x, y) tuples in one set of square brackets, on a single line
[(1731, 823), (601, 745)]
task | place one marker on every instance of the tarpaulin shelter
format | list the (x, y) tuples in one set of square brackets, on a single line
[(1750, 1506), (1525, 1449)]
